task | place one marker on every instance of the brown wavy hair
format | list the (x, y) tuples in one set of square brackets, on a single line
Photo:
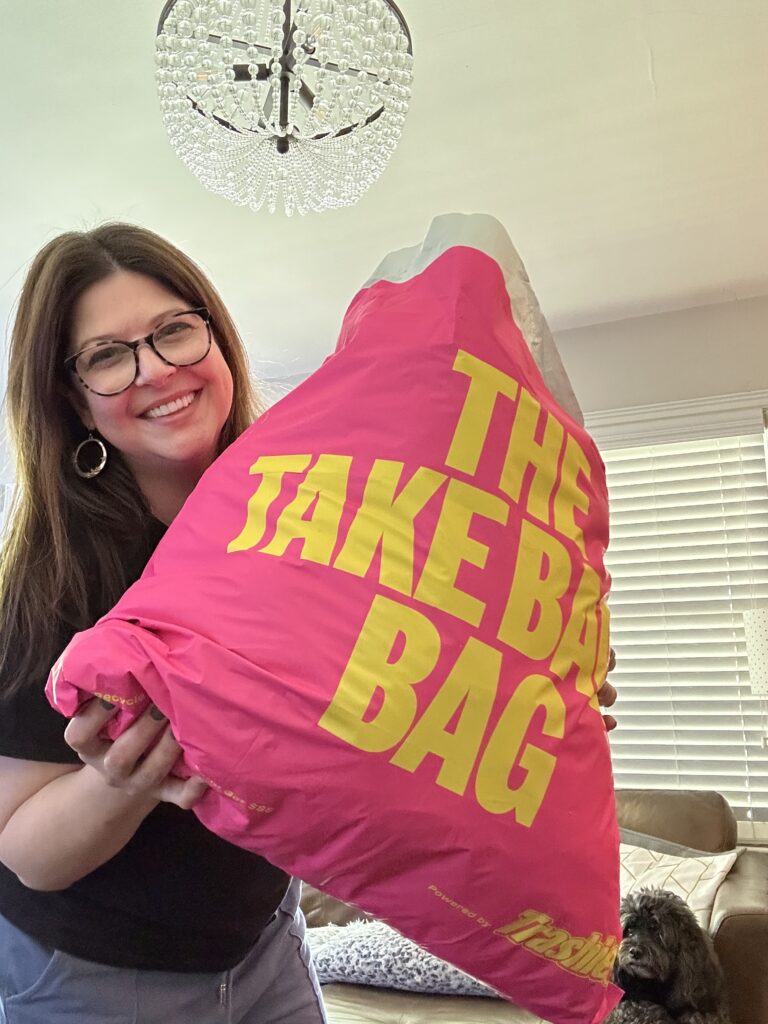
[(63, 560)]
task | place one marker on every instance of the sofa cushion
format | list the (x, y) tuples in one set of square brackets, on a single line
[(358, 1004), (702, 820)]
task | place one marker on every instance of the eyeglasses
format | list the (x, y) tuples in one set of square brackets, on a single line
[(109, 367)]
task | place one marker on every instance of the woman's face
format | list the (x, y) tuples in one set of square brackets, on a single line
[(156, 442)]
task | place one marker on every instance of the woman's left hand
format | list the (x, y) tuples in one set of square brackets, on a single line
[(606, 695)]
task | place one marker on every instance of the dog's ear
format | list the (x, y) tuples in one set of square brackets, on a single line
[(697, 983)]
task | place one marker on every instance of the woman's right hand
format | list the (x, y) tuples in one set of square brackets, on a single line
[(137, 763)]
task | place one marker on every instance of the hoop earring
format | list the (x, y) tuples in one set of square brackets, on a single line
[(89, 473)]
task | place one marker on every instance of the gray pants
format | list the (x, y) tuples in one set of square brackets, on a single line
[(274, 984)]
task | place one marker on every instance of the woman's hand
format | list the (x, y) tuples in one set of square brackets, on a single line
[(137, 763), (606, 695)]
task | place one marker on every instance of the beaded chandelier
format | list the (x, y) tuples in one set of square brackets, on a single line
[(292, 103)]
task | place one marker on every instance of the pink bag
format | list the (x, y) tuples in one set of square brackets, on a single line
[(377, 627)]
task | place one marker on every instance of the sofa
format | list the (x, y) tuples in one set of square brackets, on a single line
[(739, 923)]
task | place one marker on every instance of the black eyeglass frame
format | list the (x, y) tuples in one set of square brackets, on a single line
[(70, 363)]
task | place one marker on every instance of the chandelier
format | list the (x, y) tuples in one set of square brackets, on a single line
[(298, 103)]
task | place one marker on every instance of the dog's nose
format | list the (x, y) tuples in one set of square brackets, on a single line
[(634, 952)]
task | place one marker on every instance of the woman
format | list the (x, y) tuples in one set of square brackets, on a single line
[(115, 903), (127, 378)]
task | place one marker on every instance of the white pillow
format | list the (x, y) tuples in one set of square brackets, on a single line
[(695, 878)]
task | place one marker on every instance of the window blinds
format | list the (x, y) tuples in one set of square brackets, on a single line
[(688, 553)]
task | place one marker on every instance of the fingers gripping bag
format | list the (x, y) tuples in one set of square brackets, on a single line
[(378, 626)]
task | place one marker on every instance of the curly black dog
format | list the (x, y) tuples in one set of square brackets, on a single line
[(666, 965)]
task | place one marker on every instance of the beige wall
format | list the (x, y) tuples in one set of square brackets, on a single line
[(667, 357)]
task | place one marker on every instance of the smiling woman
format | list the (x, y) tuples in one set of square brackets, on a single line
[(161, 402), (120, 342)]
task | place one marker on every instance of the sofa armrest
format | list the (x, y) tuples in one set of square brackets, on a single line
[(739, 927)]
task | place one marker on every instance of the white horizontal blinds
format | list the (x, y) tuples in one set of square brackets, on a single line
[(688, 552)]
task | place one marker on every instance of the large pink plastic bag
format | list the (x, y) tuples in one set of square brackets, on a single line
[(377, 627)]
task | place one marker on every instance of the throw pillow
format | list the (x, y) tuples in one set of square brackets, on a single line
[(372, 953), (695, 878)]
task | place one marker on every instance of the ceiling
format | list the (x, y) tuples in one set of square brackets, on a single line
[(624, 144)]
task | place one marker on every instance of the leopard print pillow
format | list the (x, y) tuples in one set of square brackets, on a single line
[(372, 953)]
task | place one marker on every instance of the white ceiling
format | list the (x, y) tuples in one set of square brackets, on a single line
[(624, 143)]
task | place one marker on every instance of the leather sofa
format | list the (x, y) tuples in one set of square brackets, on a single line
[(739, 924)]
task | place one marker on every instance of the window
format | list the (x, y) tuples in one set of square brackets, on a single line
[(688, 553)]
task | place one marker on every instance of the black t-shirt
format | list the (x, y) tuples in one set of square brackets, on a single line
[(175, 898)]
